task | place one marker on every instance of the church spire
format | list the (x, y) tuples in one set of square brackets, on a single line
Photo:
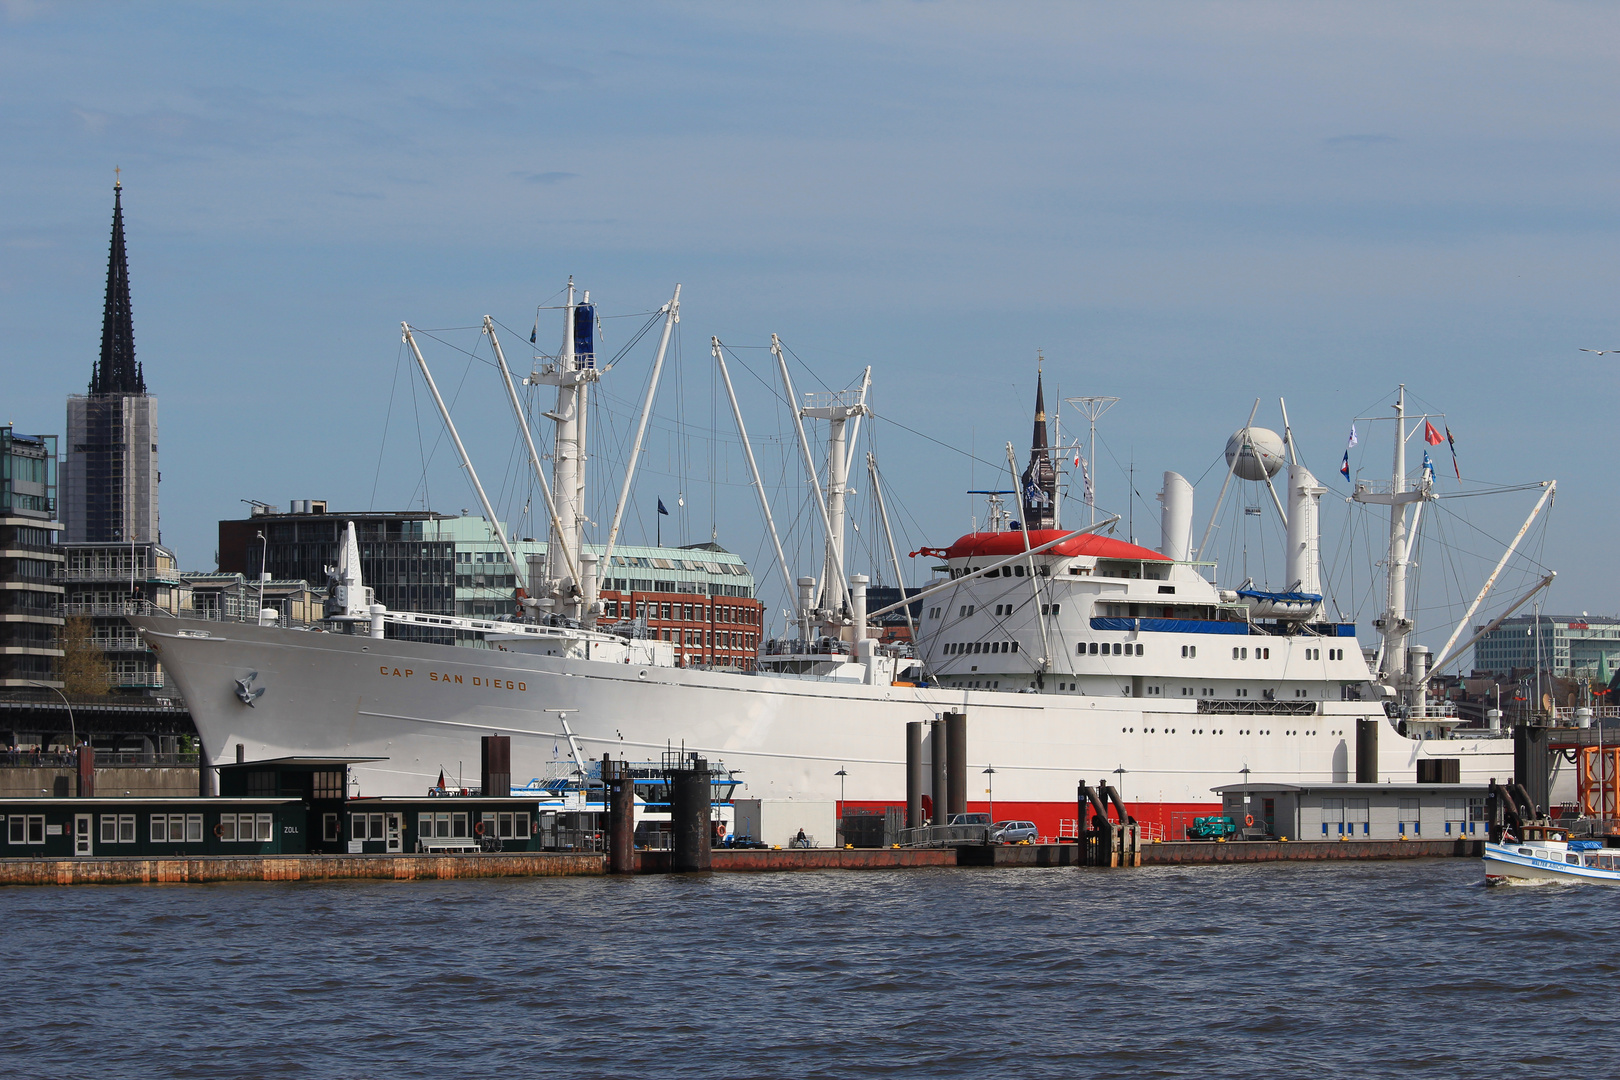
[(117, 372), (1039, 440), (1039, 496)]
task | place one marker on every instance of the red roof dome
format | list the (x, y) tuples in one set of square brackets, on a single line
[(1001, 544)]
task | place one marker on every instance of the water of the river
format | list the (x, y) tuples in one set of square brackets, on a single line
[(1409, 969)]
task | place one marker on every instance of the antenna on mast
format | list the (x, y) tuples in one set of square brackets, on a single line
[(1091, 408)]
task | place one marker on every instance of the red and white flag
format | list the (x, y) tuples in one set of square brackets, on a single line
[(1431, 436)]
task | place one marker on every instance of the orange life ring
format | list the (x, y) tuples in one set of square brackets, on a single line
[(478, 829), (720, 828), (219, 830), (1248, 819)]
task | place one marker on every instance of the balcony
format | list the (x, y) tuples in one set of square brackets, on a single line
[(115, 574), (150, 680), (118, 607)]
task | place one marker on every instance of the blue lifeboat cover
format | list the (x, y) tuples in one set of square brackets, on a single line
[(1282, 597)]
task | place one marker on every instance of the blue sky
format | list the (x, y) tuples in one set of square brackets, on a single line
[(1185, 205)]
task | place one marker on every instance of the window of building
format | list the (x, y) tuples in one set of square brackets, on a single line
[(329, 784), (443, 826), (329, 828), (247, 828), (25, 829)]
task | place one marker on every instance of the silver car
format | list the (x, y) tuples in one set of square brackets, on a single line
[(1013, 832)]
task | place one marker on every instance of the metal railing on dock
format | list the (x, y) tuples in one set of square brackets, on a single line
[(945, 835)]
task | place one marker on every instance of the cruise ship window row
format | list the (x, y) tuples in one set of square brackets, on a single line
[(963, 648), (1316, 654), (1102, 649), (1243, 653)]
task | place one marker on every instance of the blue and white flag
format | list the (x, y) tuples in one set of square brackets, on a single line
[(1352, 443), (1428, 466)]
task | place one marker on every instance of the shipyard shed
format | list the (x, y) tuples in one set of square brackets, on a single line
[(1355, 811)]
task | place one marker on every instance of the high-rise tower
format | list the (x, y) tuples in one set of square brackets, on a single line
[(1040, 479), (110, 473)]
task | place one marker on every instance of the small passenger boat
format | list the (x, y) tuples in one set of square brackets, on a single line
[(1546, 853)]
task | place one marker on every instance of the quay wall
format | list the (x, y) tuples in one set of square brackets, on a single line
[(210, 868), (1192, 851), (215, 868)]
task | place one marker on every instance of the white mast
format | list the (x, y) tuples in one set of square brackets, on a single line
[(568, 472), (1394, 625), (466, 462), (528, 440), (1092, 407), (840, 452), (672, 315), (835, 544)]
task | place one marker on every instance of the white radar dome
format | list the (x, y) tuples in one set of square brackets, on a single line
[(1255, 453)]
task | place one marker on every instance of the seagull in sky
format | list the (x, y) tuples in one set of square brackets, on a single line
[(1601, 352)]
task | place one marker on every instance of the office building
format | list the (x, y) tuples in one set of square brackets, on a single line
[(30, 596), (1569, 645)]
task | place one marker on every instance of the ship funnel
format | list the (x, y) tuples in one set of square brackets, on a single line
[(1175, 520), (1304, 543)]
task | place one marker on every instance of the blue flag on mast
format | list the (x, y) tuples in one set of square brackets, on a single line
[(1345, 467), (661, 509)]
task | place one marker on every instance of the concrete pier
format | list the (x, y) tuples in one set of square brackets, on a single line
[(215, 868)]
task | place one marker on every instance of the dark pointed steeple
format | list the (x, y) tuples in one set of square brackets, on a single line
[(1039, 440), (1039, 496), (117, 372)]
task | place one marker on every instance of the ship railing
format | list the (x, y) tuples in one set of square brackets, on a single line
[(800, 647), (945, 835), (1597, 712), (1437, 711)]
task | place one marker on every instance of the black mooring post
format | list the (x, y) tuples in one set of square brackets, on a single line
[(689, 816), (1493, 813), (956, 762), (914, 774), (937, 752), (621, 793)]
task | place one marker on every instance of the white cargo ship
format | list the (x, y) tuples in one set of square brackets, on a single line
[(1073, 655)]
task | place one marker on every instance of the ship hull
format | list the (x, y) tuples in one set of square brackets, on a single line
[(422, 708)]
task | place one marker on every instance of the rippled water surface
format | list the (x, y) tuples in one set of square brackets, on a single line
[(1358, 970)]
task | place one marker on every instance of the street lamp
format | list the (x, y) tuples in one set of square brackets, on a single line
[(990, 789), (72, 727), (1245, 772), (841, 774)]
